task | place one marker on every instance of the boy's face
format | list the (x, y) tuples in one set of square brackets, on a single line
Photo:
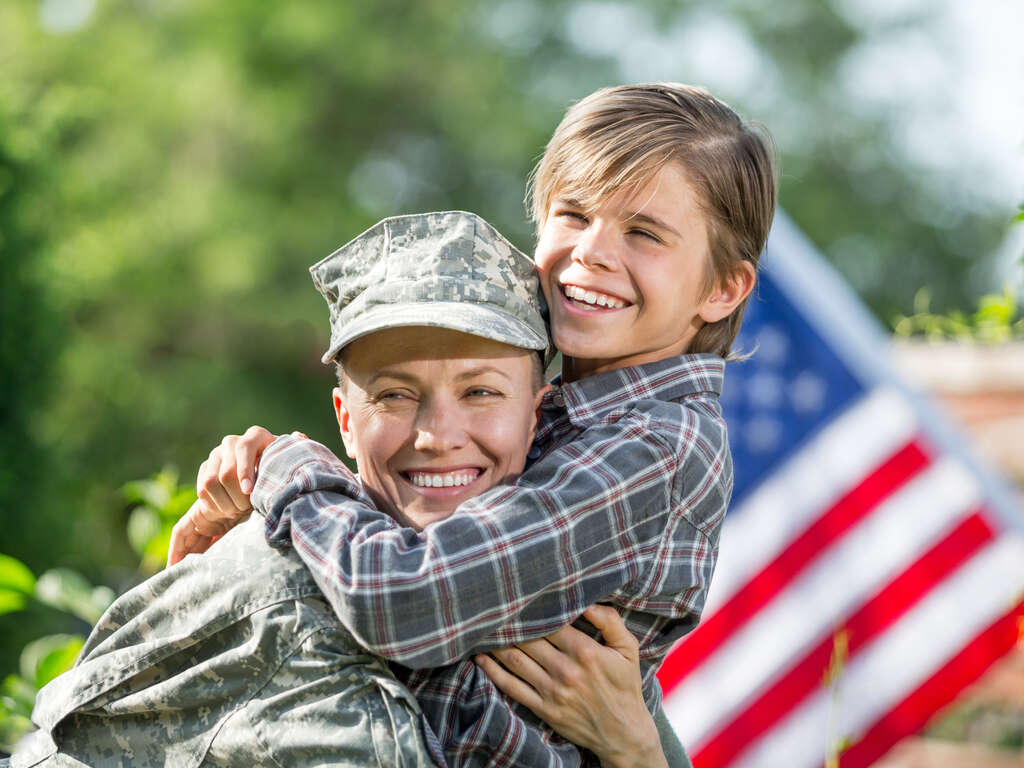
[(624, 281), (434, 417)]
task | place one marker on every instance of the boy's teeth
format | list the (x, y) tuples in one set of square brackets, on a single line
[(592, 297), (442, 479)]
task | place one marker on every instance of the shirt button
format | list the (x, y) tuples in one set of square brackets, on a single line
[(534, 452), (558, 399)]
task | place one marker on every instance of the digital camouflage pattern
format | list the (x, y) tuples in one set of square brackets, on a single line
[(228, 659), (450, 270)]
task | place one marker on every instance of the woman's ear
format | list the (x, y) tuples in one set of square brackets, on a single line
[(344, 423), (536, 409), (729, 293)]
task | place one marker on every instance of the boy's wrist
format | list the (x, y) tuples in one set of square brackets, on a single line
[(644, 751)]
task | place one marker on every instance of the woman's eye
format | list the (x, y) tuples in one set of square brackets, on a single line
[(482, 392)]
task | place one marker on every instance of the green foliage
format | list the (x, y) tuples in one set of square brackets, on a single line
[(69, 591), (158, 502), (996, 320), (45, 657), (17, 583)]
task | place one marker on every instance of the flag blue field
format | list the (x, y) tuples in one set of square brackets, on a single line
[(870, 565)]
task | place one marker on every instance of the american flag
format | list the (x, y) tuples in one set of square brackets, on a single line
[(870, 566)]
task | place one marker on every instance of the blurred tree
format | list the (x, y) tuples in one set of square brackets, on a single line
[(168, 171)]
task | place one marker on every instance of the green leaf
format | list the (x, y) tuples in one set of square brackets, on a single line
[(151, 492), (12, 727), (45, 658), (179, 504), (143, 527), (11, 601), (69, 591), (18, 694), (16, 576)]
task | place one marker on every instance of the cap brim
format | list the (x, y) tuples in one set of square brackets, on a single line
[(487, 322)]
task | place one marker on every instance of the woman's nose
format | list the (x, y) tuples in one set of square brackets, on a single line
[(439, 428)]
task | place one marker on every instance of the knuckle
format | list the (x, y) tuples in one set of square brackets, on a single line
[(573, 680), (561, 694), (207, 483)]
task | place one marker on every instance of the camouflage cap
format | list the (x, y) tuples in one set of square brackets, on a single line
[(448, 270)]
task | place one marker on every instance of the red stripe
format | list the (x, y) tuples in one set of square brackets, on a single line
[(911, 714), (863, 626), (774, 577)]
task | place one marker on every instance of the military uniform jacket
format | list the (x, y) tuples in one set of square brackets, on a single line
[(232, 658)]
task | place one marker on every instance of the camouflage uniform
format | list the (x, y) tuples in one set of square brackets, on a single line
[(231, 658)]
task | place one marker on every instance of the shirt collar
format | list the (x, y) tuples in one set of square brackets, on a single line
[(673, 378)]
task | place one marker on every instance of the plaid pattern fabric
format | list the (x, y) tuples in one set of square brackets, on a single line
[(622, 504)]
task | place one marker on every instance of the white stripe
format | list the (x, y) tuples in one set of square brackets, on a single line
[(812, 480), (840, 579), (916, 647)]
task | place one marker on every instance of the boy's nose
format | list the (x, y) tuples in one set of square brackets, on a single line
[(594, 249)]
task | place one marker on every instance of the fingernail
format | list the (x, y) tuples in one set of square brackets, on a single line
[(247, 485)]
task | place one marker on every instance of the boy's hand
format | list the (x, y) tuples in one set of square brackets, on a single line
[(224, 483), (185, 536)]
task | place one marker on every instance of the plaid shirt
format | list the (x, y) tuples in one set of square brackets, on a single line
[(622, 503)]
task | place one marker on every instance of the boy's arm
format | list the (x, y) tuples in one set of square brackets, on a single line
[(517, 562)]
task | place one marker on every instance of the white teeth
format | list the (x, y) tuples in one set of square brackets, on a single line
[(442, 480), (592, 297)]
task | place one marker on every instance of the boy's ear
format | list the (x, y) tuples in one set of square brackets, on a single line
[(729, 293), (344, 423)]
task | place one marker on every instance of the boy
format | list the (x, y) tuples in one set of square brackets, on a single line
[(652, 205)]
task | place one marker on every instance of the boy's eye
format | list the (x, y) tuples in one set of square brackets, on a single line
[(645, 233), (568, 213)]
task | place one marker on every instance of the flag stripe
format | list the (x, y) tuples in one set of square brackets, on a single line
[(831, 525), (914, 649), (853, 570), (911, 714), (827, 466), (861, 627)]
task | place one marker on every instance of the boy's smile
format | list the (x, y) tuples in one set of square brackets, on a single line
[(626, 282)]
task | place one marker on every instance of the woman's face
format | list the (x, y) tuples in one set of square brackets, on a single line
[(434, 417)]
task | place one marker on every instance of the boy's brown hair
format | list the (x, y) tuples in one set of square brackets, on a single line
[(621, 137)]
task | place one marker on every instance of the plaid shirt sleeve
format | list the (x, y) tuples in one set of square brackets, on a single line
[(602, 515)]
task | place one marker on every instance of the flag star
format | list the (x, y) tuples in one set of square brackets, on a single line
[(764, 389), (772, 346), (762, 434), (808, 392)]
